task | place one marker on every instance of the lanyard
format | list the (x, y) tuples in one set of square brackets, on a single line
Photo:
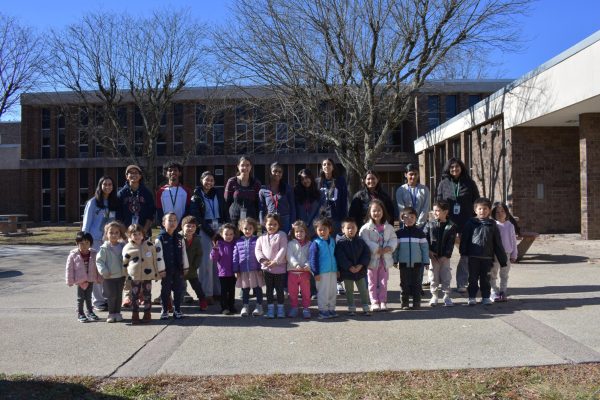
[(456, 190), (173, 201), (275, 198), (413, 194)]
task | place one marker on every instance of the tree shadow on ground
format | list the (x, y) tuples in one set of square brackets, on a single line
[(10, 274), (537, 259), (28, 388)]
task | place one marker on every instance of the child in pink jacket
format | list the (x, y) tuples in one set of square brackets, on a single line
[(81, 271)]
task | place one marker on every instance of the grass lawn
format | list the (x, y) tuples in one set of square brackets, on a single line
[(547, 382), (44, 235)]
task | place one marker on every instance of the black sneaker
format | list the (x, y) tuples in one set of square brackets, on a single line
[(82, 318), (92, 317)]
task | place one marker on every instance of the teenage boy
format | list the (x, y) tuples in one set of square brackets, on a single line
[(176, 265), (480, 241), (353, 256), (136, 206), (173, 197), (441, 234)]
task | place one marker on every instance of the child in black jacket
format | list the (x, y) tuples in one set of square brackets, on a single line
[(353, 256), (441, 235), (480, 241)]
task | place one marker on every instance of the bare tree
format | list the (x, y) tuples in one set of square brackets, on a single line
[(20, 61), (348, 70), (110, 61)]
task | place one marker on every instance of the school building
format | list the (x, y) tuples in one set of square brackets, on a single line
[(534, 144), (55, 167)]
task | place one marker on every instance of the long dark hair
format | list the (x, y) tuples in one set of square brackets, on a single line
[(378, 187), (464, 173), (282, 185), (113, 202), (303, 194), (322, 174), (509, 216)]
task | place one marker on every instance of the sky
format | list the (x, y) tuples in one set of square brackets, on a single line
[(549, 28)]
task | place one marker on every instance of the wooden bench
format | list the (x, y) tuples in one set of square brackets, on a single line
[(525, 240), (11, 227)]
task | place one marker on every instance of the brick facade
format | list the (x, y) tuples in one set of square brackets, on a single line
[(589, 155)]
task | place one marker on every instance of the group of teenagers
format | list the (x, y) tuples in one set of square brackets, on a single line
[(301, 240)]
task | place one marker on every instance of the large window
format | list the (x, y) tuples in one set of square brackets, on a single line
[(281, 138), (433, 111), (161, 139), (201, 131), (83, 132), (46, 195), (219, 133), (474, 99), (178, 129), (61, 142), (259, 128), (99, 132), (61, 195), (83, 190), (241, 130), (46, 133), (451, 106), (123, 137), (139, 132)]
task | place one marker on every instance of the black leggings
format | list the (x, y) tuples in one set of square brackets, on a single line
[(274, 281)]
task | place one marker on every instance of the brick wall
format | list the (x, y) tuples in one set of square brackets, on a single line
[(547, 156), (589, 152)]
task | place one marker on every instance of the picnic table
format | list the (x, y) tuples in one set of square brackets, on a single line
[(12, 223)]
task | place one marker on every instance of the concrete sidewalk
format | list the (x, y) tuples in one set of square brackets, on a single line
[(552, 318)]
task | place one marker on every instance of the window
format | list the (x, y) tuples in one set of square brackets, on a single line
[(241, 130), (99, 132), (123, 136), (451, 106), (61, 195), (83, 190), (299, 140), (61, 137), (474, 99), (259, 128), (45, 133), (433, 111), (219, 133), (455, 148), (83, 132), (161, 139), (178, 129), (46, 195), (281, 137), (139, 132), (201, 131)]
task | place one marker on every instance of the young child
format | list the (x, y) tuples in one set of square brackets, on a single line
[(81, 271), (271, 251), (324, 267), (298, 269), (143, 265), (222, 253), (353, 257), (193, 250), (480, 240), (247, 268), (176, 265), (441, 234), (379, 235), (412, 256), (508, 235), (109, 262)]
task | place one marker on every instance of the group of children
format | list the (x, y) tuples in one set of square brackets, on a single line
[(360, 258)]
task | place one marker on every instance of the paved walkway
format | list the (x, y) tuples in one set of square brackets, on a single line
[(552, 318)]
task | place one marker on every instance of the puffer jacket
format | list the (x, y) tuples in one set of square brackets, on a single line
[(272, 247), (244, 255), (297, 254), (441, 241), (413, 249), (110, 263), (76, 272), (143, 262), (369, 234), (223, 255), (481, 238), (349, 253)]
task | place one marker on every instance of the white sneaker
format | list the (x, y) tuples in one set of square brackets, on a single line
[(383, 307), (244, 312), (448, 301), (487, 301), (434, 300), (471, 301), (258, 311), (374, 307)]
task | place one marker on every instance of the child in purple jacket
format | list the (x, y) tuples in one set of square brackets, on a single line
[(222, 253), (247, 267)]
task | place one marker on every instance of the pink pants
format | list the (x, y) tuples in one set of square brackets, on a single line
[(378, 277), (301, 281)]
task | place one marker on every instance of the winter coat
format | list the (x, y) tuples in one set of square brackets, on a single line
[(272, 247), (281, 203), (413, 249), (322, 256), (143, 262), (509, 238), (109, 262), (238, 197), (297, 254), (349, 253), (94, 219), (360, 205), (76, 272), (441, 240), (334, 200), (244, 255), (198, 208), (140, 202), (193, 251), (481, 239), (467, 194), (223, 255), (371, 236), (404, 198)]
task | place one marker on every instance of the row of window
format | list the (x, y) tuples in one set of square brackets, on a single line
[(451, 108)]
